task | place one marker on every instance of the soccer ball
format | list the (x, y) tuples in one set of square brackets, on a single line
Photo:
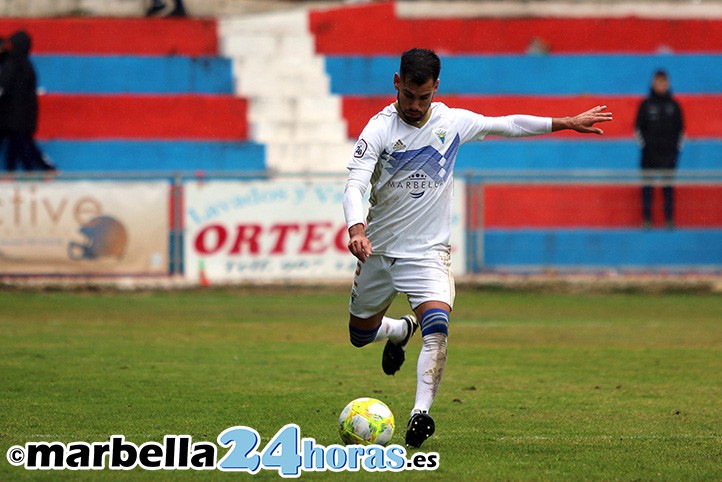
[(366, 421)]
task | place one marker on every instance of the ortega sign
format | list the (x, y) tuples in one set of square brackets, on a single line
[(272, 230), (276, 230)]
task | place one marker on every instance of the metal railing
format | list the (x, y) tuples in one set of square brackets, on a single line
[(472, 178)]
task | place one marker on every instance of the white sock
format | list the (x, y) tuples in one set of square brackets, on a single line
[(429, 370), (391, 329)]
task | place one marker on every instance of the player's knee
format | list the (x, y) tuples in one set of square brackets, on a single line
[(435, 320), (360, 337)]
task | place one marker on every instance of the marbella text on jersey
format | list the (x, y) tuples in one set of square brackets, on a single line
[(415, 183)]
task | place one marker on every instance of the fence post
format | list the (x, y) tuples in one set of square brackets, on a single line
[(176, 247)]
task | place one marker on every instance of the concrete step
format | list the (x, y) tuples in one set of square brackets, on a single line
[(316, 157), (289, 22), (298, 131), (248, 84), (287, 109), (265, 45)]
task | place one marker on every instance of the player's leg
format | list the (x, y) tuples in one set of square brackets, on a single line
[(432, 301), (429, 369), (434, 317), (371, 295)]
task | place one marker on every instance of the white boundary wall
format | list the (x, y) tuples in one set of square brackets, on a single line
[(406, 8)]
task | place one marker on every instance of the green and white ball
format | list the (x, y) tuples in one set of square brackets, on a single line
[(366, 421)]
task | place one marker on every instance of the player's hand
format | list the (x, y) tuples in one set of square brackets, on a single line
[(585, 121), (359, 244)]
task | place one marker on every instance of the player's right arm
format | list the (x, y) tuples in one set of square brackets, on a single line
[(366, 155), (361, 167), (358, 180)]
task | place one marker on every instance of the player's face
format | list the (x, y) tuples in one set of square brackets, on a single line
[(414, 100)]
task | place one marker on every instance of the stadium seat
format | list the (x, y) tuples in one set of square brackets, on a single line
[(124, 95), (494, 66)]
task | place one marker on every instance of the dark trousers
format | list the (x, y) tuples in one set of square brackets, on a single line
[(647, 197), (658, 169), (22, 150)]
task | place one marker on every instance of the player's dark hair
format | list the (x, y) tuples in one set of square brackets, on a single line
[(419, 65)]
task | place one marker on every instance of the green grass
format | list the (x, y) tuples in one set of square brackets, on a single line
[(537, 387)]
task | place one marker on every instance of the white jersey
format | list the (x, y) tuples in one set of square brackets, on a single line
[(411, 173)]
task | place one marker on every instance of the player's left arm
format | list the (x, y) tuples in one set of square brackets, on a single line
[(584, 122)]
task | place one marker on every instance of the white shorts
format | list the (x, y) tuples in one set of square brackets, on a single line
[(380, 279)]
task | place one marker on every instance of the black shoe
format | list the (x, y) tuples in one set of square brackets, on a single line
[(421, 426), (395, 354), (153, 9)]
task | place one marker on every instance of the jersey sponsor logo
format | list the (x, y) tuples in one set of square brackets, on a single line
[(417, 184), (360, 148), (427, 160)]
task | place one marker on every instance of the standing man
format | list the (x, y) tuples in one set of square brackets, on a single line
[(407, 154), (659, 129), (19, 107), (4, 52)]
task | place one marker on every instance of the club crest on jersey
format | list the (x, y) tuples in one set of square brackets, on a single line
[(360, 148), (441, 135)]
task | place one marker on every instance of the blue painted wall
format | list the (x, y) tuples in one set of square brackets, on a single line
[(72, 74), (133, 156), (635, 249), (534, 74), (540, 154)]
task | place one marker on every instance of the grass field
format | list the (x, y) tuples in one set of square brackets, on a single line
[(537, 387)]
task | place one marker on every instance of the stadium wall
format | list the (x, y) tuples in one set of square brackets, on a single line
[(524, 64), (185, 117), (337, 32), (125, 95)]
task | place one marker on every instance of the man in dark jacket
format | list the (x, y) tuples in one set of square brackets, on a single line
[(19, 106), (4, 50), (659, 128)]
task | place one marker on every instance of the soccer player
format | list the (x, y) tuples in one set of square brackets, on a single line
[(407, 153)]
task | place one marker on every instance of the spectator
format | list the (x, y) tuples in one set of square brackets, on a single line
[(4, 50), (19, 107), (659, 129), (157, 6)]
